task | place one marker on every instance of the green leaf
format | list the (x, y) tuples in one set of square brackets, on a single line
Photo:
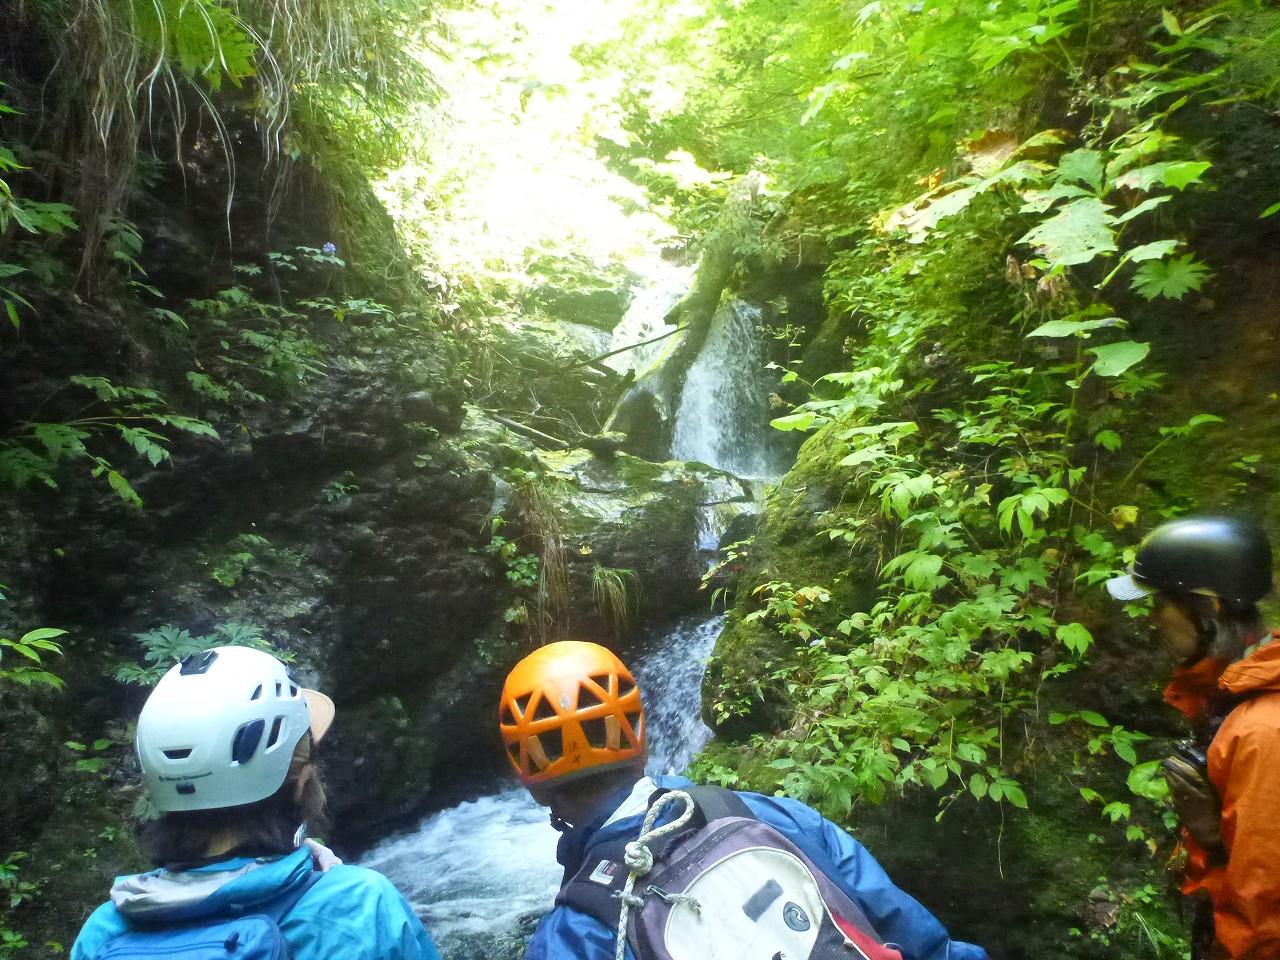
[(1170, 278), (1271, 211), (1171, 23), (42, 633), (1115, 358), (1151, 251), (1083, 166), (1124, 750), (1147, 780), (1073, 328), (1075, 637), (978, 786), (1078, 233), (1175, 174), (124, 490), (1015, 796), (1093, 719), (1144, 207), (922, 572), (795, 421), (1108, 440)]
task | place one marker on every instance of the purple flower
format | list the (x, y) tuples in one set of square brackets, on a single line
[(329, 248)]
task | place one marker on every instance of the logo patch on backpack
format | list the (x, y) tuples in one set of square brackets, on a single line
[(605, 873), (795, 917)]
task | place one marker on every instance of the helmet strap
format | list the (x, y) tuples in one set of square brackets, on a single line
[(560, 824)]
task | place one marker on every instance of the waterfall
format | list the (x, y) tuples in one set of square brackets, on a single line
[(723, 417), (480, 873), (665, 283)]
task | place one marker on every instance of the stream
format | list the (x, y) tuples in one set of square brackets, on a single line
[(480, 874)]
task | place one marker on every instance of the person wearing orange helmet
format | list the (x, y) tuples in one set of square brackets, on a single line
[(573, 725)]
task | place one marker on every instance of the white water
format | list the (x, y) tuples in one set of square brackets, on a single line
[(723, 417), (665, 283), (479, 873)]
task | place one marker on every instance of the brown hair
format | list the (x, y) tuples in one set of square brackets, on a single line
[(261, 829)]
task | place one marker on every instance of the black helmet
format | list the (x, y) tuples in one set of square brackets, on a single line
[(1219, 557)]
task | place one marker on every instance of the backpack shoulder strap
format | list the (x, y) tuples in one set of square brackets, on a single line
[(716, 803), (594, 888)]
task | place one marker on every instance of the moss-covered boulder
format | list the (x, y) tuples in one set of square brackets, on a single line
[(622, 513), (789, 543)]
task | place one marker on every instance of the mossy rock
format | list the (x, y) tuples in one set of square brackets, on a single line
[(623, 512), (791, 544)]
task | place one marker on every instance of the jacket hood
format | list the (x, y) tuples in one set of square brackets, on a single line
[(232, 886), (1255, 673)]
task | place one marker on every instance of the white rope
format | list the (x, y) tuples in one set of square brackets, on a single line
[(639, 858)]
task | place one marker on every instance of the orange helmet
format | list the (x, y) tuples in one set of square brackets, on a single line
[(570, 708)]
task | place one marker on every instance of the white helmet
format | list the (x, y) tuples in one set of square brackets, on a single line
[(220, 728)]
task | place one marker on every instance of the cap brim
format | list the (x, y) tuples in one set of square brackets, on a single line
[(1127, 588), (321, 710)]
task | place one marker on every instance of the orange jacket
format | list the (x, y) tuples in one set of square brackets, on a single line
[(1244, 766)]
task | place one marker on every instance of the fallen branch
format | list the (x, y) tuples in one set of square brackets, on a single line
[(555, 442), (614, 353)]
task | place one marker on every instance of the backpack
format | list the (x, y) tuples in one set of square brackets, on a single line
[(246, 936), (726, 887)]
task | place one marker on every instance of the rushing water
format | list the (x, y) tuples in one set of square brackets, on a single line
[(481, 872), (665, 283), (723, 417)]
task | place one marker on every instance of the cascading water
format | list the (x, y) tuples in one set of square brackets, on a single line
[(723, 415), (645, 319), (478, 873)]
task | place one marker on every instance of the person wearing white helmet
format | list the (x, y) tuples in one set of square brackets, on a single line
[(225, 744)]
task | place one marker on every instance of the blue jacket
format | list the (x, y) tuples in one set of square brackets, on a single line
[(350, 912), (567, 933)]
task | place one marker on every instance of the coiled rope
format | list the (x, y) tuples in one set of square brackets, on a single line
[(639, 858)]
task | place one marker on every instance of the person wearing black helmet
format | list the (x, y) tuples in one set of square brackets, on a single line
[(1206, 576)]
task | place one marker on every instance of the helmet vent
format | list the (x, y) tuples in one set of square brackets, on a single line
[(279, 689), (178, 754), (507, 717), (544, 710), (588, 696), (552, 745), (246, 741), (514, 750), (274, 737), (596, 732), (293, 691), (198, 662), (522, 704), (625, 686), (257, 693)]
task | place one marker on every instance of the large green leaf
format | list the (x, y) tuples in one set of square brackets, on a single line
[(1170, 278), (1115, 358), (1073, 328), (1080, 232), (1082, 166), (1176, 174)]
